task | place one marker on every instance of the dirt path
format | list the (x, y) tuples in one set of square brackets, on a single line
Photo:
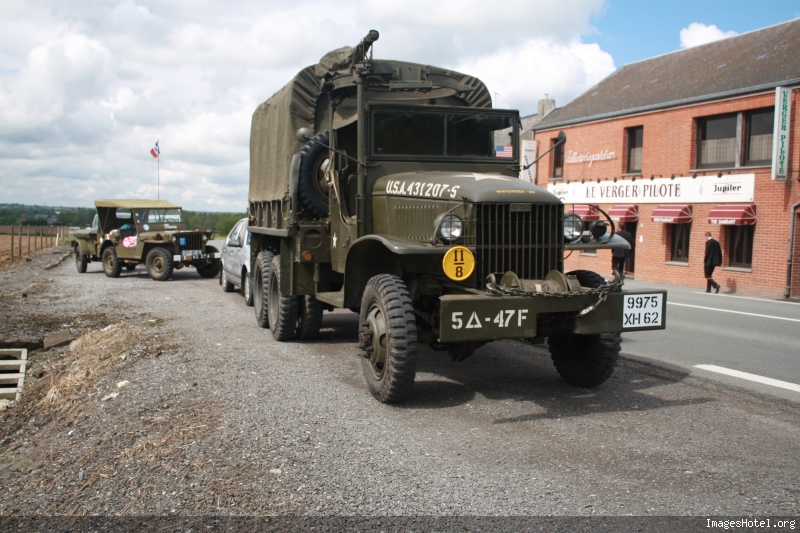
[(218, 419)]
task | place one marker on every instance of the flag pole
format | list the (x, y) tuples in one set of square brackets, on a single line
[(158, 176)]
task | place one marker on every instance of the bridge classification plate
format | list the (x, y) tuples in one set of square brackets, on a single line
[(458, 263), (642, 310)]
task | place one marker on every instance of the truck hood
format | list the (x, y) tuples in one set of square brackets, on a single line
[(473, 187)]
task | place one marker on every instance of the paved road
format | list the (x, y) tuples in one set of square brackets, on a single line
[(733, 332)]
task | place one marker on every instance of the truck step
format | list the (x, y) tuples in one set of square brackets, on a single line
[(335, 299)]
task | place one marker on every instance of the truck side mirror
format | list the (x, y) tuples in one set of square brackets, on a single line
[(303, 135)]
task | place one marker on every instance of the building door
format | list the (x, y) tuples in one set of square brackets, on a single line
[(630, 227)]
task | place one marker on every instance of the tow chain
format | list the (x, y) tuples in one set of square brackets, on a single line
[(493, 289)]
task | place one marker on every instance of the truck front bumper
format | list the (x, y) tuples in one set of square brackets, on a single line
[(472, 317)]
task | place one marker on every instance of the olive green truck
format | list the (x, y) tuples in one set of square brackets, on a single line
[(377, 186)]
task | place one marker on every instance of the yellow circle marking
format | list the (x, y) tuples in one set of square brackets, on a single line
[(458, 263)]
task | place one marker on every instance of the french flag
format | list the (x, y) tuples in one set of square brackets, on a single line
[(154, 151)]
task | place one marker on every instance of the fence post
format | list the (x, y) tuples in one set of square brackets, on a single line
[(12, 243), (29, 239), (19, 243)]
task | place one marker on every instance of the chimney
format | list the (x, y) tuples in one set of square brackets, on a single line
[(546, 106)]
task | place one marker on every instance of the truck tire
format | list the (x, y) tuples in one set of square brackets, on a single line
[(585, 360), (260, 287), (227, 286), (309, 318), (388, 339), (210, 270), (159, 264), (247, 288), (312, 192), (81, 260), (111, 264), (282, 309)]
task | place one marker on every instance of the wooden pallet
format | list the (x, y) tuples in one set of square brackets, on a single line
[(13, 363)]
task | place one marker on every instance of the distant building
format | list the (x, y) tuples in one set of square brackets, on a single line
[(702, 139)]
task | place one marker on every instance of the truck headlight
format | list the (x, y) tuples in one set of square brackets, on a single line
[(451, 227), (573, 227)]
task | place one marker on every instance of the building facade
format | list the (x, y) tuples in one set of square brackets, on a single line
[(704, 139)]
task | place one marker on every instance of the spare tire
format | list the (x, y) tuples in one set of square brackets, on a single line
[(312, 191)]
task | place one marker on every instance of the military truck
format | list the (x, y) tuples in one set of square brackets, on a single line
[(126, 233), (376, 186)]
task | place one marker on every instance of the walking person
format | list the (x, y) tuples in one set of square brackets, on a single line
[(711, 260), (618, 257)]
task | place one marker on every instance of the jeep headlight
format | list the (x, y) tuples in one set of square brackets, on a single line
[(205, 238), (573, 227), (451, 227), (174, 238)]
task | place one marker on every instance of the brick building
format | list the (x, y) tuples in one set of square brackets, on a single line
[(684, 143)]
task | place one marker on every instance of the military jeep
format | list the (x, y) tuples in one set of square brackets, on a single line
[(126, 233)]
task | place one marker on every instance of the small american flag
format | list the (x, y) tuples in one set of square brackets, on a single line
[(504, 151)]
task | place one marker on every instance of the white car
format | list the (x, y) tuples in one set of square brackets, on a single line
[(235, 262)]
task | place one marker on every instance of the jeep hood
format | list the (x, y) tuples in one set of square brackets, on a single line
[(473, 187)]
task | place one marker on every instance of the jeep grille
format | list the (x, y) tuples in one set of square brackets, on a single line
[(529, 243), (194, 241)]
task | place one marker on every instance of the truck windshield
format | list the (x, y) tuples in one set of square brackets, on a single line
[(157, 216), (396, 132)]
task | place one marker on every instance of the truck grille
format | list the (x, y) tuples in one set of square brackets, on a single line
[(194, 241), (529, 243)]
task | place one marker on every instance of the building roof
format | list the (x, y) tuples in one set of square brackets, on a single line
[(133, 204), (758, 60)]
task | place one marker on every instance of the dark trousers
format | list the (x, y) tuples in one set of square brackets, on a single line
[(618, 264), (709, 271)]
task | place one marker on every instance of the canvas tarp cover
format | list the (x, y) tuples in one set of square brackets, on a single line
[(134, 204), (275, 122)]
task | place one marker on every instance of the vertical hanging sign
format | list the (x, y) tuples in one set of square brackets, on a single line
[(528, 157), (780, 137)]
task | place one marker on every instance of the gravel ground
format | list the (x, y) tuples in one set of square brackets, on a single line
[(219, 419)]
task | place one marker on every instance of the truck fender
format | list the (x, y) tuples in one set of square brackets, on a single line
[(368, 256)]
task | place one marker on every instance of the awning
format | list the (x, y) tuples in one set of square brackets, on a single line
[(624, 213), (672, 214), (733, 215), (586, 212)]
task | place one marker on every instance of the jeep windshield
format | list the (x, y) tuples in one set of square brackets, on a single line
[(468, 134), (157, 216)]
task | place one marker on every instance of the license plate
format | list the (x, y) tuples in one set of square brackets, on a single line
[(193, 256), (495, 318), (642, 310)]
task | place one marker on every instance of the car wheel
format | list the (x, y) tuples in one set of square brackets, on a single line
[(247, 289), (227, 286), (388, 339)]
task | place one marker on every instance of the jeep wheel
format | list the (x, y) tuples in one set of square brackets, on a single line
[(585, 360), (80, 260), (247, 289), (309, 317), (388, 339), (312, 190), (210, 270), (260, 274), (159, 264), (282, 309), (111, 265), (227, 286)]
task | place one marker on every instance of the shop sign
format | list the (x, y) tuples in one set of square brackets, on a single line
[(780, 137), (684, 190), (528, 157), (578, 157)]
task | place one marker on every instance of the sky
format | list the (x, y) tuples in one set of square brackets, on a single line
[(88, 87)]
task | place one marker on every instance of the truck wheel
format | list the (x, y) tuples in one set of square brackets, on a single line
[(282, 310), (80, 260), (312, 191), (210, 270), (260, 275), (111, 265), (159, 264), (227, 286), (585, 360), (309, 317), (388, 339), (247, 288)]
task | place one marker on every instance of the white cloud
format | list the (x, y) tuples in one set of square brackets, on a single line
[(698, 33), (86, 88)]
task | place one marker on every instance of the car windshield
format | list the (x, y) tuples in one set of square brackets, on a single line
[(417, 132), (157, 216)]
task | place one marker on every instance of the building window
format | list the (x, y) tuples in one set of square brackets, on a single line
[(558, 159), (680, 242), (717, 141), (635, 137), (760, 124), (740, 246)]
